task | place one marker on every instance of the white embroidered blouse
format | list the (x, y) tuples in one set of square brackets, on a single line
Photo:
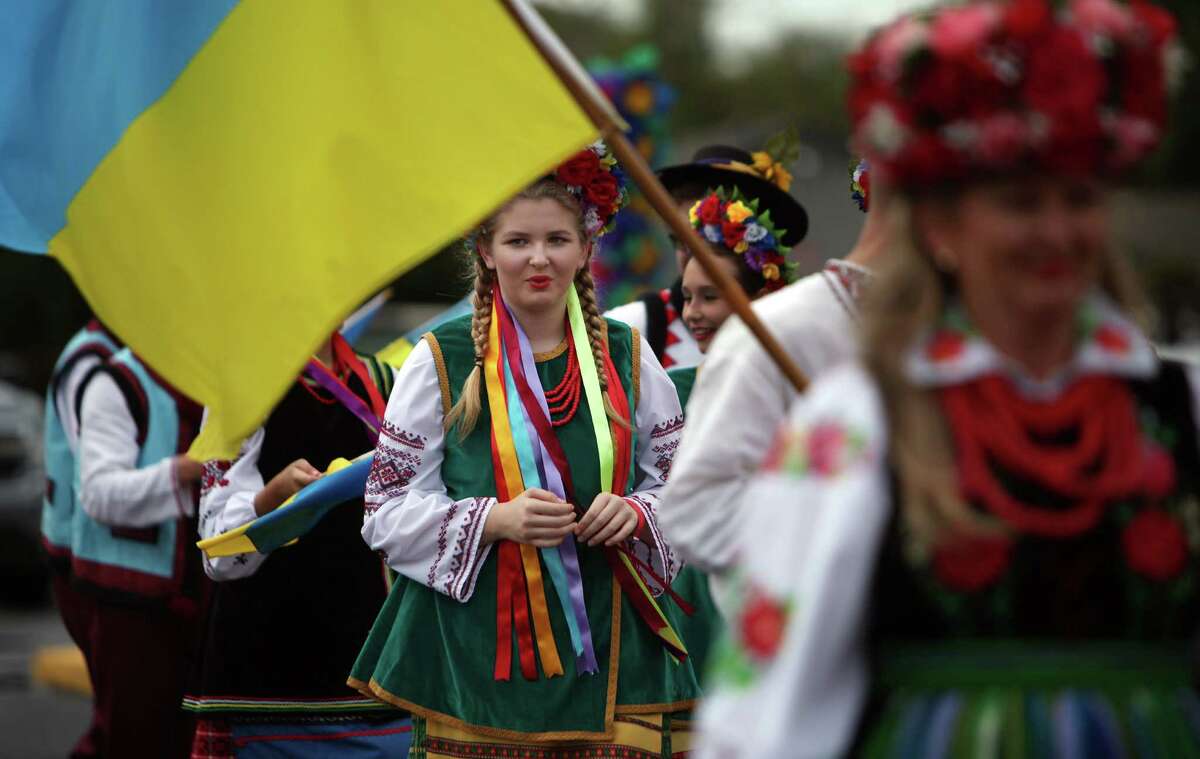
[(437, 541), (816, 517)]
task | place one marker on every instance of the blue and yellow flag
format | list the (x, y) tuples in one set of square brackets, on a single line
[(226, 180)]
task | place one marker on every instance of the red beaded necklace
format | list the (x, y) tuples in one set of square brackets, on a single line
[(564, 397), (1104, 459)]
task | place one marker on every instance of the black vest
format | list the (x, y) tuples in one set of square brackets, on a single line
[(294, 628)]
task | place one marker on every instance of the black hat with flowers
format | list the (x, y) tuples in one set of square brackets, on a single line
[(758, 175)]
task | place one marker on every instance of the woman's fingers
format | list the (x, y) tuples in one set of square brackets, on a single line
[(610, 529), (603, 509), (624, 533)]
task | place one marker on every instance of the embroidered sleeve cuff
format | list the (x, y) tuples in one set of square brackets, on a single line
[(456, 567), (655, 552)]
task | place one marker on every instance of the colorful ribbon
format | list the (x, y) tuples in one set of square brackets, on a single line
[(526, 453)]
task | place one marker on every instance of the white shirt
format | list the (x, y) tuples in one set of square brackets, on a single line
[(435, 540), (227, 502), (681, 351), (114, 490), (739, 400), (68, 391)]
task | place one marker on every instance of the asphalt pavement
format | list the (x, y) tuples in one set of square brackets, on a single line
[(36, 721)]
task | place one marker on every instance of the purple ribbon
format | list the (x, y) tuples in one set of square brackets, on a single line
[(320, 374)]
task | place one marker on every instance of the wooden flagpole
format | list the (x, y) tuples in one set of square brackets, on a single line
[(611, 127)]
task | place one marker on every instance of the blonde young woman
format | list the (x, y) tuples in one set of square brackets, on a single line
[(514, 490), (981, 540)]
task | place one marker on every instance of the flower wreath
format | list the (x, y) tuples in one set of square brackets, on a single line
[(593, 176), (733, 221), (860, 183), (1078, 86)]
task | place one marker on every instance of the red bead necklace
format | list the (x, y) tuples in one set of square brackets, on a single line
[(564, 397), (1104, 459)]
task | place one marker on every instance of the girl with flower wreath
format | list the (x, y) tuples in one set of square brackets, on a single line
[(514, 490), (997, 509), (748, 246)]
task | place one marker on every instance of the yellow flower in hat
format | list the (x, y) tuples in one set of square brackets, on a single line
[(741, 247), (692, 216), (737, 212), (770, 272), (772, 171)]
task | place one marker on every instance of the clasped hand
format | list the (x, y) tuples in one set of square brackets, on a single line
[(540, 518)]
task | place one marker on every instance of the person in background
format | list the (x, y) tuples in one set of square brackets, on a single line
[(89, 347), (979, 539), (658, 315), (741, 394), (747, 246), (133, 553), (284, 627)]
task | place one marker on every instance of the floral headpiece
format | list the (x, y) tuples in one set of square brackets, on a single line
[(733, 221), (860, 183), (997, 87), (594, 178)]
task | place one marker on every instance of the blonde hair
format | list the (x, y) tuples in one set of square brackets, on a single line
[(464, 414), (905, 301)]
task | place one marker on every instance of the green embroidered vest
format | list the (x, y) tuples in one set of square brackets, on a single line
[(435, 656)]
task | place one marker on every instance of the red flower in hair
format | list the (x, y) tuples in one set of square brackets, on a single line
[(1025, 19), (1064, 76), (602, 191), (1160, 23), (733, 232), (1143, 94), (1155, 545), (961, 32), (1076, 142), (955, 89), (710, 211), (579, 170), (970, 564)]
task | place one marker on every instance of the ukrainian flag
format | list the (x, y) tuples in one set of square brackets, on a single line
[(226, 180)]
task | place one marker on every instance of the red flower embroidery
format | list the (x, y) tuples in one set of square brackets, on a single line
[(1112, 339), (945, 346), (762, 625), (1155, 545), (969, 564), (826, 442), (1159, 472)]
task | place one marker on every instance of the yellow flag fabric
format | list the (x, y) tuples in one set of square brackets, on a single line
[(309, 152)]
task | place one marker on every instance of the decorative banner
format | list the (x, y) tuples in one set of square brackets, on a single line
[(635, 254)]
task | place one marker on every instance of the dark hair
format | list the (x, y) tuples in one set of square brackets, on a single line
[(752, 282)]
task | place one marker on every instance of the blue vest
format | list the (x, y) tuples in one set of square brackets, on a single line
[(61, 500), (145, 561)]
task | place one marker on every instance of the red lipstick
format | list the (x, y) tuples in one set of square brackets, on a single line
[(539, 282)]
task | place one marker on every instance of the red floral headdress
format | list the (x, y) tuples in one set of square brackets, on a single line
[(593, 176), (997, 86)]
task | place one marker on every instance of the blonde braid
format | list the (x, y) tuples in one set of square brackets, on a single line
[(465, 412), (585, 286)]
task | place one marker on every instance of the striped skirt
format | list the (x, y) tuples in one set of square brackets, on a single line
[(1011, 701)]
